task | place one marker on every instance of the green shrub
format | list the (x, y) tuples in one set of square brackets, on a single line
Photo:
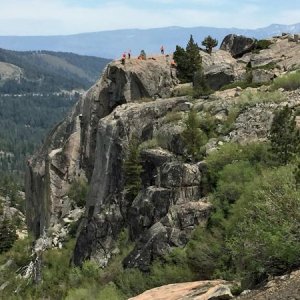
[(208, 124), (263, 44), (92, 291), (149, 144), (242, 84), (132, 282), (288, 82), (228, 124), (247, 98), (263, 231), (269, 66), (284, 135), (255, 153), (230, 186), (206, 253), (184, 91), (166, 273), (78, 191), (172, 117), (193, 136)]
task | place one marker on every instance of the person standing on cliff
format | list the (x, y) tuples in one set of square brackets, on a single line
[(129, 54), (123, 58), (162, 50)]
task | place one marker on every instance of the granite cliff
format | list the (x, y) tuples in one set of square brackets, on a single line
[(137, 100)]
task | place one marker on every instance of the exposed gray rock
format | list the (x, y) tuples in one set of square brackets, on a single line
[(219, 75), (221, 68), (237, 45), (176, 174), (219, 292), (70, 149), (262, 76)]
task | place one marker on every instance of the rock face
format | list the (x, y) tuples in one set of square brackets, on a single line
[(128, 101), (237, 45), (133, 101), (221, 68), (70, 149), (168, 183)]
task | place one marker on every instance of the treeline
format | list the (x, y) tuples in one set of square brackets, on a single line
[(24, 123), (46, 71)]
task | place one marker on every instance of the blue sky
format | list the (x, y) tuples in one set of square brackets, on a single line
[(44, 17)]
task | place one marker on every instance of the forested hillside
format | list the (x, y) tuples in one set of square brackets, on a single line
[(24, 122), (37, 89), (46, 71)]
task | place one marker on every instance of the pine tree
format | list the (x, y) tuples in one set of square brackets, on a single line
[(192, 136), (180, 58), (193, 59), (132, 170), (209, 43), (8, 235), (188, 61), (284, 135)]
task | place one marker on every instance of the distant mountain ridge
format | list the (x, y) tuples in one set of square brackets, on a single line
[(111, 44), (47, 71)]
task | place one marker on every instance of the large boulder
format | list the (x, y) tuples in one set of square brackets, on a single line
[(221, 68), (237, 45), (218, 75)]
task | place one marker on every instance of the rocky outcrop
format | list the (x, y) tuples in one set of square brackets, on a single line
[(237, 45), (132, 101), (70, 149), (128, 101), (281, 287), (198, 290), (282, 54), (221, 68), (149, 217)]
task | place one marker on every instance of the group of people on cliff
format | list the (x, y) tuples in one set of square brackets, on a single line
[(142, 56)]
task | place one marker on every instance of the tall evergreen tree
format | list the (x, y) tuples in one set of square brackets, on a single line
[(188, 61), (132, 170), (180, 58), (193, 59), (284, 135), (193, 136), (8, 235)]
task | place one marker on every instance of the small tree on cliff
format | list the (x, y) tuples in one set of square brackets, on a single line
[(193, 136), (8, 235), (284, 135), (209, 43), (132, 170), (188, 60)]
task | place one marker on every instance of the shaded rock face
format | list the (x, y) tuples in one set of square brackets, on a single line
[(154, 219), (70, 149), (93, 142), (237, 45)]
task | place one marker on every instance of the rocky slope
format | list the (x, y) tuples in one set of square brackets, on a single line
[(135, 101)]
